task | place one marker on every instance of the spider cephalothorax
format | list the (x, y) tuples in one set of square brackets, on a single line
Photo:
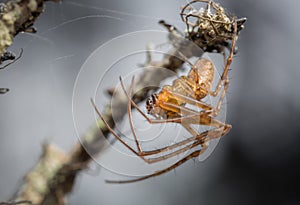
[(151, 104)]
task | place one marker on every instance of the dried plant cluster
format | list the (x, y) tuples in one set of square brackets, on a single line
[(211, 28)]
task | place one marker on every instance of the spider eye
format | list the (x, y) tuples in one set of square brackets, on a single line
[(149, 105), (149, 102)]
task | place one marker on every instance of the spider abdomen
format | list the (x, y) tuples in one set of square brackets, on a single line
[(205, 71)]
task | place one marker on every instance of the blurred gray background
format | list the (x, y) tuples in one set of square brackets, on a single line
[(256, 163)]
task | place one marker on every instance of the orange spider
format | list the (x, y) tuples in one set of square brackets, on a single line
[(170, 106)]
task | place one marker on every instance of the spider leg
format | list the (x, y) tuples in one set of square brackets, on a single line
[(180, 162), (189, 100), (219, 104), (191, 130), (224, 81), (183, 84), (198, 139), (181, 110), (227, 65), (130, 117), (149, 55), (189, 62), (202, 139), (110, 129)]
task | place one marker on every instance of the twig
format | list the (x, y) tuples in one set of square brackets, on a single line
[(15, 203)]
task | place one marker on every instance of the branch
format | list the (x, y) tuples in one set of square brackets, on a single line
[(16, 16)]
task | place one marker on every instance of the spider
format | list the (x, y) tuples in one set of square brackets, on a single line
[(169, 106)]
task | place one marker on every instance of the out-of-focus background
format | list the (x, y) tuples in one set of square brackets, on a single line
[(256, 163)]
